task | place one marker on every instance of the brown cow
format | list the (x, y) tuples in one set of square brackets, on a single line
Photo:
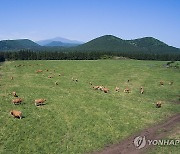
[(101, 88), (39, 71), (14, 94), (16, 114), (117, 89), (74, 79), (158, 104), (141, 90), (40, 102), (106, 90), (161, 83), (96, 87), (127, 90), (17, 101), (170, 83)]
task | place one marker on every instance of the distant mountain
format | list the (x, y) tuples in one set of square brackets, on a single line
[(113, 43), (60, 39), (61, 44), (17, 44)]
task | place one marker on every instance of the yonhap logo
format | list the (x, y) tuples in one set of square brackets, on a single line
[(140, 142)]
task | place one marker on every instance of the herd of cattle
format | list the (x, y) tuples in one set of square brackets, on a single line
[(39, 102), (18, 101)]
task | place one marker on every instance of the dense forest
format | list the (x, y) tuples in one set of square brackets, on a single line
[(84, 55), (2, 58)]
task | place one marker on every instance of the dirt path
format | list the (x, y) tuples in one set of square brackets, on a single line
[(155, 132)]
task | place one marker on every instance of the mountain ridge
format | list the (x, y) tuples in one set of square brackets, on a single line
[(60, 44), (113, 43), (61, 39), (106, 43)]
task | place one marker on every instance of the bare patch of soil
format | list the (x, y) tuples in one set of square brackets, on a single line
[(155, 132)]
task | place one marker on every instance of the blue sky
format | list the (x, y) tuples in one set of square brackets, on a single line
[(84, 20)]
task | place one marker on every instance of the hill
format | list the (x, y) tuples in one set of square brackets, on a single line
[(17, 44), (112, 43), (61, 44), (153, 45), (107, 43), (63, 40)]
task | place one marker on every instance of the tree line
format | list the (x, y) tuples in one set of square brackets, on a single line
[(83, 55), (2, 58)]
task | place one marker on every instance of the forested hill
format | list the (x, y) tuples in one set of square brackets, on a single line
[(17, 44), (112, 43), (106, 43), (151, 44)]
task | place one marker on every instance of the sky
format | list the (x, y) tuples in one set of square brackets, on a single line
[(84, 20)]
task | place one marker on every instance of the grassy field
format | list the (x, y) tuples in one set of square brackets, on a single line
[(168, 149), (77, 118)]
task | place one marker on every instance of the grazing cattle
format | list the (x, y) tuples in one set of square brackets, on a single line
[(39, 102), (74, 79), (141, 90), (17, 101), (161, 83), (127, 90), (50, 76), (14, 94), (16, 114), (39, 71), (47, 70), (59, 74), (12, 77), (101, 88), (170, 83), (117, 89), (158, 104), (128, 80), (106, 90), (96, 87), (90, 83), (56, 83)]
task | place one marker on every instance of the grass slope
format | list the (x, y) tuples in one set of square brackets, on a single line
[(76, 118), (174, 134)]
